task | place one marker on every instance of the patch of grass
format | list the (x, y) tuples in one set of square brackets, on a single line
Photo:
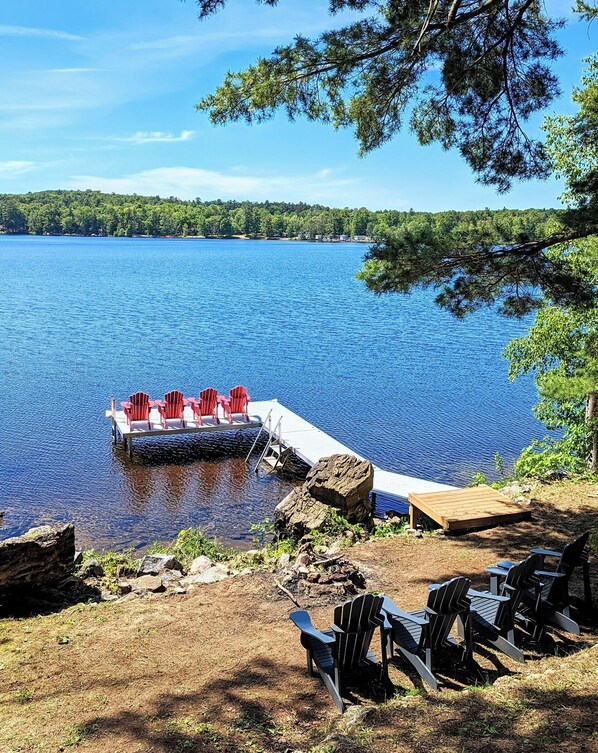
[(25, 695), (191, 543), (112, 561), (78, 733), (389, 529)]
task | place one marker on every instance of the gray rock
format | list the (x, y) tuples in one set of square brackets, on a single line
[(154, 564), (170, 578), (299, 513), (123, 587), (212, 575), (77, 559), (284, 560), (39, 557), (91, 568), (355, 715), (345, 482), (200, 565), (147, 583)]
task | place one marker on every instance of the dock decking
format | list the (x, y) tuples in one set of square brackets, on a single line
[(305, 440), (465, 509)]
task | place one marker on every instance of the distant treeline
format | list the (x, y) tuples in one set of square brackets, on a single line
[(96, 213)]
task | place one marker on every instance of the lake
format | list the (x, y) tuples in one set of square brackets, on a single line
[(82, 319)]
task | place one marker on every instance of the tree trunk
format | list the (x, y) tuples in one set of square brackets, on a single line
[(592, 419)]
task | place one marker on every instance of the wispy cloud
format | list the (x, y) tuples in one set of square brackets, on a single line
[(153, 137), (30, 31), (13, 168), (189, 182)]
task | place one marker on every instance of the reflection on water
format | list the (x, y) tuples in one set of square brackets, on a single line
[(81, 319)]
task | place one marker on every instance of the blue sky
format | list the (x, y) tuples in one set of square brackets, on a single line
[(101, 95)]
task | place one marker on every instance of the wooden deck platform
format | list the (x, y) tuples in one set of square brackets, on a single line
[(464, 509)]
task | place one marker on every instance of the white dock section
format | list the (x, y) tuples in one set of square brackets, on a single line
[(310, 444), (305, 440)]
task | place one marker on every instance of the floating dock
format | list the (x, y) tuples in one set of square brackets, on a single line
[(286, 429)]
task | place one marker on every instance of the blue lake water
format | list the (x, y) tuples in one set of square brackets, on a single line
[(81, 319)]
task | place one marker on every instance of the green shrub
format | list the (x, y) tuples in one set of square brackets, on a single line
[(191, 543)]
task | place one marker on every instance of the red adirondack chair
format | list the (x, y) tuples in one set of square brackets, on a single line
[(172, 407), (137, 408), (206, 405), (237, 402)]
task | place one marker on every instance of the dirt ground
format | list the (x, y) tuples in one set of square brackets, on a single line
[(221, 669)]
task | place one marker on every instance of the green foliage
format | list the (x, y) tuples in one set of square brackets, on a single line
[(478, 479), (95, 213), (549, 458), (112, 561), (389, 529), (79, 733), (468, 76), (191, 543)]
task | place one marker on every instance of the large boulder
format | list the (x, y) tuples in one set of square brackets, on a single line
[(41, 557), (344, 482), (299, 513)]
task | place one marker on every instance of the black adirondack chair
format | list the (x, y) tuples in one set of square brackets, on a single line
[(575, 554), (544, 603), (493, 614), (346, 646), (420, 635)]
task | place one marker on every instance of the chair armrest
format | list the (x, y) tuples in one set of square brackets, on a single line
[(497, 571), (125, 404), (487, 595), (156, 403), (505, 564), (546, 552), (548, 574), (303, 621), (392, 610)]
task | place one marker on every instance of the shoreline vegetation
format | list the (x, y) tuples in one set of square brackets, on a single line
[(220, 668), (96, 214)]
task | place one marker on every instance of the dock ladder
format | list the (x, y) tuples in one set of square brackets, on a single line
[(275, 451)]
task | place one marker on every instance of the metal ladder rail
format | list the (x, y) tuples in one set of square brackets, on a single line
[(267, 419), (269, 443)]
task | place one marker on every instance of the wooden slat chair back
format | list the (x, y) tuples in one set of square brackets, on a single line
[(544, 602), (421, 634), (346, 646), (238, 399), (172, 407), (237, 402), (493, 612), (446, 602), (354, 625), (206, 406), (138, 408), (575, 554)]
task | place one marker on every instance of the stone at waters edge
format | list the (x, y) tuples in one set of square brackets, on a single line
[(299, 512), (345, 482), (154, 564), (91, 568), (200, 565), (40, 557)]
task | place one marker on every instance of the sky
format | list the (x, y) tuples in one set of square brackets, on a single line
[(102, 95)]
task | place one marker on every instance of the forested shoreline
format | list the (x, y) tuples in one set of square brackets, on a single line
[(98, 214)]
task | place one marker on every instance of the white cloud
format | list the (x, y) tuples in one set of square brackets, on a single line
[(12, 168), (189, 182), (29, 31), (153, 137)]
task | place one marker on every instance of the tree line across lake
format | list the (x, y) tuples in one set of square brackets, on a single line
[(96, 213)]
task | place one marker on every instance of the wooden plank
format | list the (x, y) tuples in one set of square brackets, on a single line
[(467, 508)]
